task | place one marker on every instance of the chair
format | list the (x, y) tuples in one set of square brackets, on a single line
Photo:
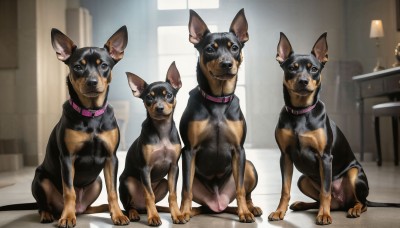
[(391, 109)]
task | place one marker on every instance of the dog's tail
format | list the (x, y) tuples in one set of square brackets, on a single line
[(97, 209), (19, 207), (379, 204), (163, 209)]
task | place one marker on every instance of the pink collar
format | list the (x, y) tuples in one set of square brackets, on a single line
[(221, 100), (88, 112), (300, 111)]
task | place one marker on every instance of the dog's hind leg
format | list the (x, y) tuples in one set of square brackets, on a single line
[(87, 195), (250, 183), (48, 198), (310, 189), (359, 187)]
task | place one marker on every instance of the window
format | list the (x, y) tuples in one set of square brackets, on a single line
[(187, 4)]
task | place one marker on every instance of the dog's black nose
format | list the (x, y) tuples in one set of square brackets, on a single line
[(91, 82), (303, 82), (226, 64), (160, 108)]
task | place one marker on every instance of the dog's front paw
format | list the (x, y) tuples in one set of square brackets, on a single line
[(246, 217), (277, 215), (178, 219), (120, 219), (323, 219), (187, 214), (154, 220), (67, 222), (256, 211), (356, 211), (133, 215), (46, 217)]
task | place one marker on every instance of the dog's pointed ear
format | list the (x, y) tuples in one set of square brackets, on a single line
[(197, 28), (284, 49), (240, 27), (137, 84), (320, 49), (173, 77), (62, 45), (116, 44)]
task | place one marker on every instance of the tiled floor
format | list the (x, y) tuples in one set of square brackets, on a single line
[(384, 186)]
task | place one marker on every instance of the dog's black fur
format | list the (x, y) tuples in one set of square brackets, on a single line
[(312, 142), (213, 128), (80, 147), (155, 153)]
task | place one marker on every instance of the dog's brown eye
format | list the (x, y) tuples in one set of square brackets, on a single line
[(149, 98), (291, 68), (235, 47), (169, 95), (209, 49), (314, 69), (104, 66), (78, 68)]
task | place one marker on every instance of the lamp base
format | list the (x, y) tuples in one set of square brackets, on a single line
[(378, 68)]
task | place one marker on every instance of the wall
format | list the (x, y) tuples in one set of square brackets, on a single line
[(51, 73), (35, 87)]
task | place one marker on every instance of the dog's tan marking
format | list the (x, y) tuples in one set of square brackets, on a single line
[(213, 72), (215, 45), (296, 65), (286, 139), (80, 87), (109, 177), (75, 140), (83, 62), (309, 65), (235, 133), (98, 61), (301, 100), (169, 107), (110, 139), (197, 131), (147, 152), (152, 93), (229, 44), (358, 207), (315, 139), (164, 92)]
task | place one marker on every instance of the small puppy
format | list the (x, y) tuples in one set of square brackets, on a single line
[(155, 153)]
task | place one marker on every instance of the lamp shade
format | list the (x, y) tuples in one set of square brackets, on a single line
[(376, 29)]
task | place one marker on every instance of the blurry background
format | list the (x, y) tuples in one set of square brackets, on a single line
[(32, 86)]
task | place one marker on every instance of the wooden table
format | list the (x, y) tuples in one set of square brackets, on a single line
[(375, 84)]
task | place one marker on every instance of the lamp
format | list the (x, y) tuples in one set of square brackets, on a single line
[(376, 33)]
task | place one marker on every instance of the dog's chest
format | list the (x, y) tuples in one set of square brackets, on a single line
[(216, 130), (160, 156), (303, 145), (91, 139)]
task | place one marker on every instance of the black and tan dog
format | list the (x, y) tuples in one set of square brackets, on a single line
[(213, 128), (312, 142), (155, 153), (85, 140)]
